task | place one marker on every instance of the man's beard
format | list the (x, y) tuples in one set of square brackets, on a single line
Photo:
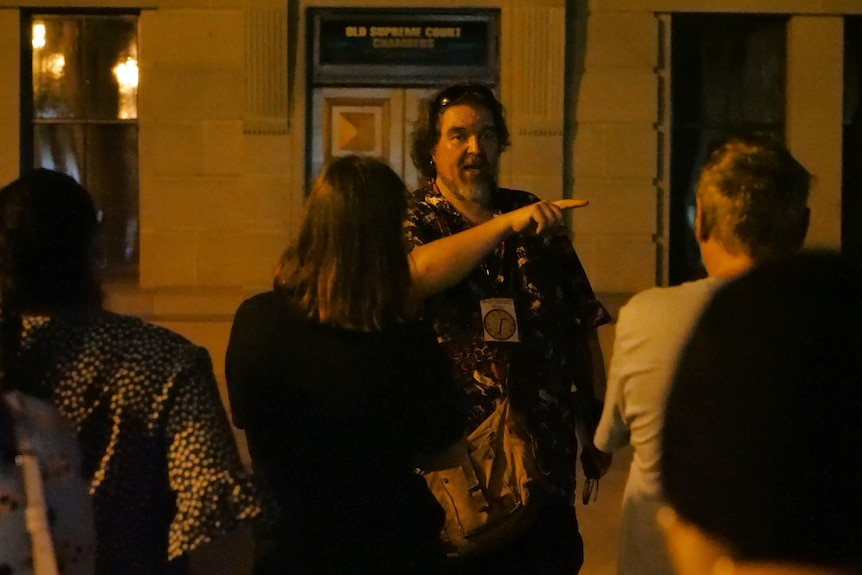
[(474, 187)]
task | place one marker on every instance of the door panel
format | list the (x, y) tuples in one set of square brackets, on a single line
[(365, 121)]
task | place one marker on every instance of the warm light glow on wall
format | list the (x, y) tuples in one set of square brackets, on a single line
[(38, 35)]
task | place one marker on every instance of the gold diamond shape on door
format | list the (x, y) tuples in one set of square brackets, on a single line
[(356, 126), (356, 131)]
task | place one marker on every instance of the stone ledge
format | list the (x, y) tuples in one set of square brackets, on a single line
[(176, 304)]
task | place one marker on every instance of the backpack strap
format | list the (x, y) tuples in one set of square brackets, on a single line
[(36, 516)]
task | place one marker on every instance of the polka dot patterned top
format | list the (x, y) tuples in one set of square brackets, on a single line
[(156, 445)]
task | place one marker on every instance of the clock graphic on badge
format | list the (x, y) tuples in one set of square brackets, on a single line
[(499, 324)]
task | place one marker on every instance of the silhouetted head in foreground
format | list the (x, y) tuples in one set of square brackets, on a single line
[(760, 451)]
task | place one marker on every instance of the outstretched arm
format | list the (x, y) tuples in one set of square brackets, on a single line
[(438, 265)]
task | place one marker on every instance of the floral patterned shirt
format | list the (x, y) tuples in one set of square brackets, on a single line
[(157, 449), (555, 308)]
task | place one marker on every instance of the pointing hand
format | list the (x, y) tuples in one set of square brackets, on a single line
[(542, 217)]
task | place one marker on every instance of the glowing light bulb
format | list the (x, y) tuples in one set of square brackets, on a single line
[(127, 86), (127, 74), (56, 66), (38, 35)]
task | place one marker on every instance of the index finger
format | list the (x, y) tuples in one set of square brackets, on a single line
[(570, 203)]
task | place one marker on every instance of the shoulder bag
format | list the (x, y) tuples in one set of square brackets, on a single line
[(496, 491)]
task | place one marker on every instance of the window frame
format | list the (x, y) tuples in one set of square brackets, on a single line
[(28, 121)]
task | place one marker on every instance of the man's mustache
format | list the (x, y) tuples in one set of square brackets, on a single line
[(475, 162)]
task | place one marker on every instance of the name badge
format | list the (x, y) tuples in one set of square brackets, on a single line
[(499, 320)]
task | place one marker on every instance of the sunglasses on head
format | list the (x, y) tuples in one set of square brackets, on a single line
[(458, 92)]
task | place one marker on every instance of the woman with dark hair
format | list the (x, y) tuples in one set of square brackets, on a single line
[(29, 426), (157, 449), (341, 393)]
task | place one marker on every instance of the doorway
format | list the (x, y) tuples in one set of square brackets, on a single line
[(365, 121), (728, 74)]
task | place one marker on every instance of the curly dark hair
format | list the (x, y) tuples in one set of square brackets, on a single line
[(426, 130)]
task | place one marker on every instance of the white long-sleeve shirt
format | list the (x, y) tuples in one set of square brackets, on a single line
[(651, 330)]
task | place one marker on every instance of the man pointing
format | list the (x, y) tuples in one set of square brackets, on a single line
[(512, 307)]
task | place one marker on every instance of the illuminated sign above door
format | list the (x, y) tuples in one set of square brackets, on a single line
[(380, 47)]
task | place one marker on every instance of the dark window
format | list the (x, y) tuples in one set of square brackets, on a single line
[(728, 75), (80, 110)]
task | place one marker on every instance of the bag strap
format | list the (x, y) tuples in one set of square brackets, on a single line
[(36, 516)]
